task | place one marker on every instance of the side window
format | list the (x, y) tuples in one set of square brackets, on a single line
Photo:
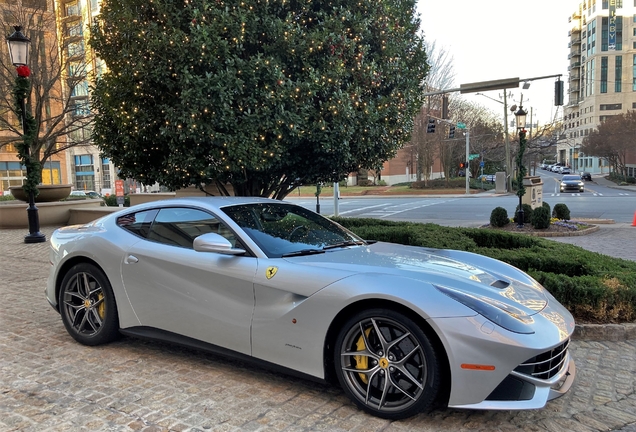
[(137, 223), (180, 226)]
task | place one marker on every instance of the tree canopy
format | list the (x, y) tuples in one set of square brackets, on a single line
[(258, 94), (613, 140)]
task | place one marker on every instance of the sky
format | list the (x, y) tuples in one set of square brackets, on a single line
[(497, 39)]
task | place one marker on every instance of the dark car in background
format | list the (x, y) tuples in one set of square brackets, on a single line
[(586, 175)]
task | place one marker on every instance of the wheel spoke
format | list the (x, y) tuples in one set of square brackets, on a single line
[(383, 341), (397, 341), (370, 378), (402, 390), (385, 390)]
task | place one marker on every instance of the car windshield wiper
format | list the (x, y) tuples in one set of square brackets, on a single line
[(302, 252), (343, 244)]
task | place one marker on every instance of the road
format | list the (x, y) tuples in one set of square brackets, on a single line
[(596, 202)]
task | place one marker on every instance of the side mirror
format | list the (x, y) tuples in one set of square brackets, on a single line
[(212, 242)]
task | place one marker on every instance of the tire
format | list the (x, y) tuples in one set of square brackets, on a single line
[(87, 306), (404, 354)]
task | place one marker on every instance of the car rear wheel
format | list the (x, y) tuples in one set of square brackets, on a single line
[(386, 364), (87, 305)]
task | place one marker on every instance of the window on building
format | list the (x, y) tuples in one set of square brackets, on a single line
[(11, 174), (589, 78), (605, 4), (619, 4), (105, 174), (603, 74), (591, 38), (80, 108), (619, 33), (75, 49), (618, 74), (73, 9), (80, 89), (74, 29), (84, 172), (634, 73), (611, 107), (604, 34), (51, 173)]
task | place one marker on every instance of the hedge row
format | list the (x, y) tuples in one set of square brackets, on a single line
[(594, 287)]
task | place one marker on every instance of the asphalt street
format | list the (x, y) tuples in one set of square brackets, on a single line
[(48, 382)]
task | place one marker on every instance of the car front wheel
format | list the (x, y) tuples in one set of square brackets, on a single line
[(87, 305), (386, 364)]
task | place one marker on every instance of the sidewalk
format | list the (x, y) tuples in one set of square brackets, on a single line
[(50, 383)]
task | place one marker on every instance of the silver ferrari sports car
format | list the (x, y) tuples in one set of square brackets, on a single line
[(399, 327)]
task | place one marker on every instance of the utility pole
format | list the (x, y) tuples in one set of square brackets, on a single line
[(507, 144), (467, 169)]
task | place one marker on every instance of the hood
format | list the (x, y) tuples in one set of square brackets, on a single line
[(471, 273)]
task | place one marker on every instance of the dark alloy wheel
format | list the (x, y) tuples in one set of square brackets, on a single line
[(386, 364), (87, 305)]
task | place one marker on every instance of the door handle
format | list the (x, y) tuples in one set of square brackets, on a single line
[(131, 259)]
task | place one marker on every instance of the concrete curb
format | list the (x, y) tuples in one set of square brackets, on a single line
[(605, 332)]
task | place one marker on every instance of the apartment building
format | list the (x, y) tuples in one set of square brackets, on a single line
[(602, 76), (88, 171), (37, 18)]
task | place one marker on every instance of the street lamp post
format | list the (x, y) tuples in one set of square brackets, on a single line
[(19, 52), (521, 123)]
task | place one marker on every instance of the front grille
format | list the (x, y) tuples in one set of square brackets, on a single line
[(547, 364)]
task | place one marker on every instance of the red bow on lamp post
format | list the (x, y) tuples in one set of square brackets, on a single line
[(23, 71)]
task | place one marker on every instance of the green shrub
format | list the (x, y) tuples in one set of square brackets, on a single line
[(592, 286), (546, 205), (561, 211), (7, 198), (381, 183), (527, 213), (111, 200), (541, 217), (499, 217)]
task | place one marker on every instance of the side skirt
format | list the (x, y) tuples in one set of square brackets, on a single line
[(153, 334)]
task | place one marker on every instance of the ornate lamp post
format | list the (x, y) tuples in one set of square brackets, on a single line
[(19, 50), (521, 190)]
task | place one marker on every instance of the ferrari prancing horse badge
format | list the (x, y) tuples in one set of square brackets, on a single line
[(270, 272)]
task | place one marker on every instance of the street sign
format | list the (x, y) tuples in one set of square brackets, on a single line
[(481, 164), (461, 125), (473, 156), (119, 192)]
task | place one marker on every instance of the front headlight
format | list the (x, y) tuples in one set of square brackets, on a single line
[(562, 184), (500, 313)]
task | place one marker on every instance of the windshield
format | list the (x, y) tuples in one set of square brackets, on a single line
[(286, 229), (571, 178)]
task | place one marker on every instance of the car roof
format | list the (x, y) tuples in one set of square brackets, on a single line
[(211, 202)]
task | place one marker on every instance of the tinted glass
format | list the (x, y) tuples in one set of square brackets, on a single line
[(137, 223), (280, 229), (180, 226)]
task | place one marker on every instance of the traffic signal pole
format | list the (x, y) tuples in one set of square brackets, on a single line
[(467, 169)]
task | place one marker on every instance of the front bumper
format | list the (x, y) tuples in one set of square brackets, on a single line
[(526, 392)]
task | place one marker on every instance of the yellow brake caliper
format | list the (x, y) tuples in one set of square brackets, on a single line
[(101, 309), (362, 362)]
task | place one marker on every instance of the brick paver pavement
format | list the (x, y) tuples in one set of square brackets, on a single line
[(48, 382)]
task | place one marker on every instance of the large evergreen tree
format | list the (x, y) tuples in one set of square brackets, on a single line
[(257, 94)]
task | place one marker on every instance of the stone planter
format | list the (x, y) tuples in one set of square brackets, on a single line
[(48, 193)]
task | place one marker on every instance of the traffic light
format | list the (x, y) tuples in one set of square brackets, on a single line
[(462, 165), (451, 132), (558, 93), (444, 107), (431, 126)]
